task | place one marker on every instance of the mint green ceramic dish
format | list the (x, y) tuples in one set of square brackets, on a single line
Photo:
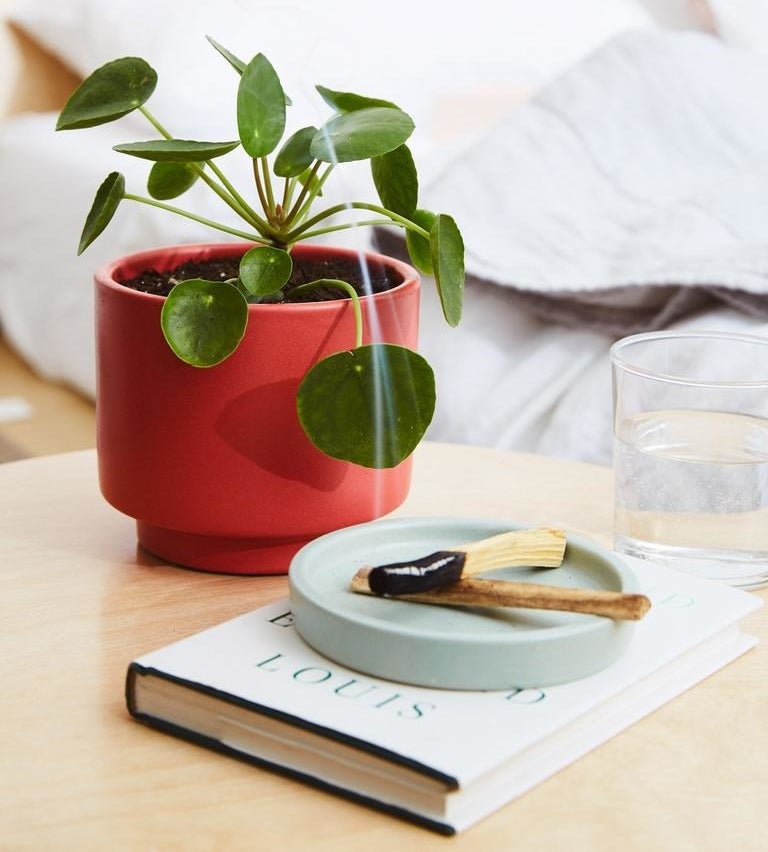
[(447, 647)]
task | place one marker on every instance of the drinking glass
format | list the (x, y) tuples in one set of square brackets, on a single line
[(690, 452)]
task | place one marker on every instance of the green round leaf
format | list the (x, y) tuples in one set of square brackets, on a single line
[(448, 266), (236, 63), (108, 197), (370, 406), (260, 108), (109, 93), (176, 150), (170, 180), (204, 321), (349, 102), (361, 134), (396, 181), (294, 157), (419, 248), (264, 270)]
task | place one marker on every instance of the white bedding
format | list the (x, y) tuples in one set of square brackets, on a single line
[(629, 195), (509, 376)]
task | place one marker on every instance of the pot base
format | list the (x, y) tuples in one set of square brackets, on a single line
[(219, 554)]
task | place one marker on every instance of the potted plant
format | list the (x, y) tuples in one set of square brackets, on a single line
[(252, 395)]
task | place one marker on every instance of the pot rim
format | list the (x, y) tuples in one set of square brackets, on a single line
[(105, 274)]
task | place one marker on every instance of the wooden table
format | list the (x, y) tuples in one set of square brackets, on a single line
[(79, 602)]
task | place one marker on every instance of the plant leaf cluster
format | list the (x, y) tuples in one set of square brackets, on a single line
[(339, 401)]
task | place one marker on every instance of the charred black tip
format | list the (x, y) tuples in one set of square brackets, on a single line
[(419, 575)]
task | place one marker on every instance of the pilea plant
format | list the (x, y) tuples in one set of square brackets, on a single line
[(204, 321)]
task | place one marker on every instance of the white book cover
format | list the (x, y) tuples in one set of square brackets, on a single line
[(251, 687)]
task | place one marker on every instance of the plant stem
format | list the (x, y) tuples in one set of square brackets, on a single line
[(260, 188), (314, 193), (296, 233), (155, 123), (302, 195), (288, 187), (255, 238), (268, 186), (338, 285), (331, 228), (252, 216)]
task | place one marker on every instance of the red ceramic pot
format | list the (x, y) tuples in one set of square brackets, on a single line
[(213, 463)]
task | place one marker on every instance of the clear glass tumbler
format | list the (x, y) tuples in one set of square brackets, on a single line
[(690, 452)]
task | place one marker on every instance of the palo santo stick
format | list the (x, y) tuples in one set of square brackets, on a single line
[(477, 592), (542, 548)]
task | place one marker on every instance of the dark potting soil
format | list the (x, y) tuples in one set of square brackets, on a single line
[(304, 270)]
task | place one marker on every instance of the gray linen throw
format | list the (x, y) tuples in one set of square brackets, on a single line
[(630, 192)]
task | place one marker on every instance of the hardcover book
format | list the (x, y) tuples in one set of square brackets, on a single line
[(251, 688)]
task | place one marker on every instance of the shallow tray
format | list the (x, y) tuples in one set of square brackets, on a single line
[(448, 647)]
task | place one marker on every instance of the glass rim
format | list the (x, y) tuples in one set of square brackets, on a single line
[(618, 361)]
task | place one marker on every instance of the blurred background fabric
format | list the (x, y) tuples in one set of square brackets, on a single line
[(604, 160)]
